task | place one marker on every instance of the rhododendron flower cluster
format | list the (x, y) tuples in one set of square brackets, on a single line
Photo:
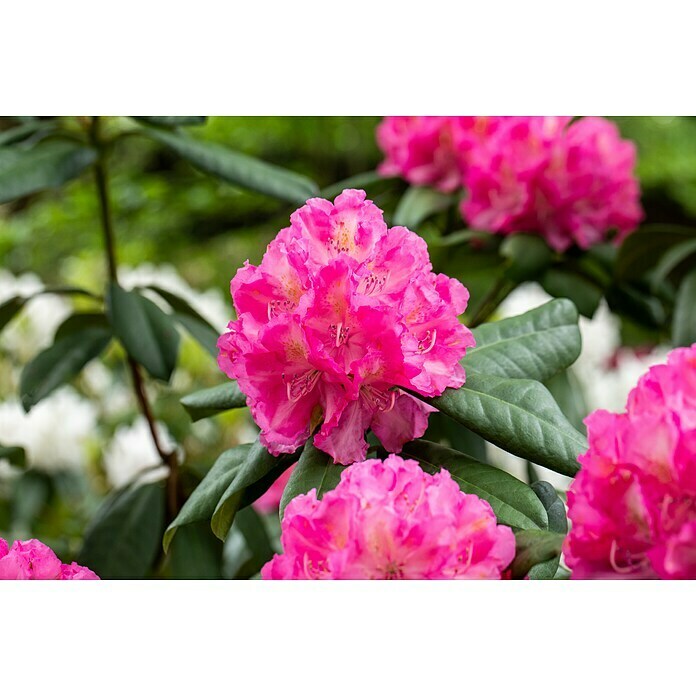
[(572, 183), (32, 560), (431, 150), (340, 316), (633, 504), (391, 520)]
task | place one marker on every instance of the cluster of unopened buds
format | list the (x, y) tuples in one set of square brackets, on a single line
[(572, 182)]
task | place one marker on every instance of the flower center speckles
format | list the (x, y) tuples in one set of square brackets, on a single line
[(339, 333), (373, 283), (343, 239), (276, 307), (427, 343), (300, 385), (378, 399)]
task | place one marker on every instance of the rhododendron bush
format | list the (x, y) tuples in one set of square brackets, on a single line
[(375, 398)]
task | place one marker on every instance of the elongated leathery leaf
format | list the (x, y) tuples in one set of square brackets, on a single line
[(210, 402), (518, 415), (535, 345)]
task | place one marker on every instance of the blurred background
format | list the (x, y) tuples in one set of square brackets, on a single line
[(188, 232)]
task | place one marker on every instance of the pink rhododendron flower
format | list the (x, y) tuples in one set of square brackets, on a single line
[(32, 560), (341, 315), (633, 504), (390, 520), (431, 150), (572, 183)]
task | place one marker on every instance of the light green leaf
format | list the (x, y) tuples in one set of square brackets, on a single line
[(513, 501), (48, 164), (534, 345), (315, 469), (204, 499), (61, 362), (211, 402), (146, 332), (123, 538), (518, 415), (236, 168), (418, 204)]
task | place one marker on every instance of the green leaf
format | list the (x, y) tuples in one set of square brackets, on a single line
[(534, 546), (567, 392), (146, 332), (30, 495), (513, 501), (20, 133), (684, 319), (83, 321), (675, 260), (315, 469), (561, 283), (14, 455), (61, 362), (258, 465), (172, 121), (211, 402), (204, 499), (47, 165), (558, 522), (534, 345), (418, 204), (123, 538), (518, 415), (636, 304), (195, 554), (9, 309), (446, 431), (190, 319), (238, 169), (257, 542), (528, 256), (643, 249)]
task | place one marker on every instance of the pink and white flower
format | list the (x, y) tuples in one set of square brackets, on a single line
[(391, 520), (339, 318), (633, 504), (32, 560)]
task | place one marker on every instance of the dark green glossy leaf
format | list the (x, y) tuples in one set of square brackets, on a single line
[(684, 319), (204, 499), (258, 466), (9, 309), (191, 320), (534, 546), (636, 304), (513, 501), (146, 332), (47, 165), (257, 542), (568, 394), (534, 345), (675, 260), (643, 249), (418, 204), (211, 402), (446, 431), (61, 362), (561, 283), (123, 538), (83, 321), (195, 554), (558, 522), (172, 121), (518, 415), (528, 256), (238, 169), (14, 455), (315, 469)]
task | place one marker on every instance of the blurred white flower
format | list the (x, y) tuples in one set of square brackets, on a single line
[(132, 455), (210, 304), (36, 324), (55, 434), (114, 396)]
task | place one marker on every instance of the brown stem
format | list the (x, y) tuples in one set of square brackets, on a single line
[(101, 178)]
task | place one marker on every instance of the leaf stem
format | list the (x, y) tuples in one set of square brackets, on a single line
[(101, 179)]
